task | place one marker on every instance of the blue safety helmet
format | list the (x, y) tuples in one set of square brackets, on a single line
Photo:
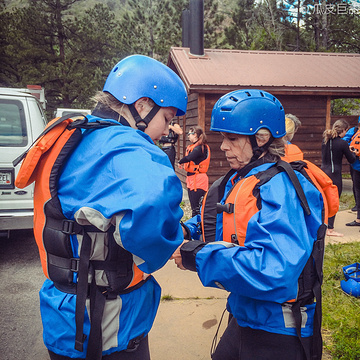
[(245, 112), (139, 76)]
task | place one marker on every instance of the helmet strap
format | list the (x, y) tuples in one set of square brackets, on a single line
[(146, 119), (259, 150)]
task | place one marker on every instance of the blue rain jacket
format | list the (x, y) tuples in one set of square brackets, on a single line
[(263, 274), (116, 175), (349, 134)]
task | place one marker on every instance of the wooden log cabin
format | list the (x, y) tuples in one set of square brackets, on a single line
[(305, 84)]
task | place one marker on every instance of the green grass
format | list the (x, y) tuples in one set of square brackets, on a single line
[(347, 201), (341, 312)]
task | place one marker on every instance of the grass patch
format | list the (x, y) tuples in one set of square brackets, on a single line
[(167, 298), (347, 201), (341, 312)]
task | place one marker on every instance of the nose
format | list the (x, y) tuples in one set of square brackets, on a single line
[(224, 145)]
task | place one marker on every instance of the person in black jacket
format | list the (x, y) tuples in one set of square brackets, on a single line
[(168, 142), (333, 149)]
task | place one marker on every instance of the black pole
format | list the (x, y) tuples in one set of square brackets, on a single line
[(185, 23), (197, 27)]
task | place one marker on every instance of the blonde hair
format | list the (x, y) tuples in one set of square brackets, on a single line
[(109, 101), (338, 127), (292, 124)]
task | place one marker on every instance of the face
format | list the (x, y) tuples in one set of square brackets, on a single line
[(159, 125), (193, 136), (343, 133), (238, 150)]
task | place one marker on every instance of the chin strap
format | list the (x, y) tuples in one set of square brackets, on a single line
[(146, 119), (258, 150)]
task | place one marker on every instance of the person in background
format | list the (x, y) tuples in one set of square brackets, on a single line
[(257, 238), (333, 149), (118, 183), (292, 151), (355, 175), (168, 142), (196, 164)]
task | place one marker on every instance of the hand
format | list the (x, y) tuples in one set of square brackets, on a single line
[(354, 150), (177, 256), (176, 128)]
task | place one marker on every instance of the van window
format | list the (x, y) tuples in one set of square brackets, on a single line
[(12, 123)]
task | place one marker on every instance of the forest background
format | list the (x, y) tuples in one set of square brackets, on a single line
[(69, 46)]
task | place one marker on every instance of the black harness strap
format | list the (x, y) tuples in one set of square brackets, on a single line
[(97, 305), (258, 150), (295, 181), (146, 119), (82, 288)]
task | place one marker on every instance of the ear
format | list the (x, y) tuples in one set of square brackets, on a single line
[(141, 104), (262, 139)]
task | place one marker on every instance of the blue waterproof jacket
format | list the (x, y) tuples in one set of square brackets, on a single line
[(348, 136), (116, 176), (262, 276)]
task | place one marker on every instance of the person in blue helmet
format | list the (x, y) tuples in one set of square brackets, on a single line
[(256, 236), (120, 182), (355, 176)]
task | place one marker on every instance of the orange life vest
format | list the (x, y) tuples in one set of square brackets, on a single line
[(355, 142), (292, 153), (203, 166), (234, 228), (42, 164)]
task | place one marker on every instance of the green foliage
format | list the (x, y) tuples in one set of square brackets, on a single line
[(345, 106), (69, 46), (341, 312)]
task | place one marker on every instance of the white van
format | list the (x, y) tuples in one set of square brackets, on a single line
[(21, 121), (64, 111)]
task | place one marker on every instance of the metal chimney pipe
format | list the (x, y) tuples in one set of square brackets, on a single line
[(185, 24), (197, 27)]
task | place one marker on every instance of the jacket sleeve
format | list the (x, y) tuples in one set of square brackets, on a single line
[(349, 134), (194, 226), (196, 156), (150, 214), (128, 181), (350, 156), (279, 241)]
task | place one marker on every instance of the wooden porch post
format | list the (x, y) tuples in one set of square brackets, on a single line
[(328, 113), (201, 111)]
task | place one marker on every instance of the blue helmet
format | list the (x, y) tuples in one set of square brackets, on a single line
[(245, 112), (139, 76)]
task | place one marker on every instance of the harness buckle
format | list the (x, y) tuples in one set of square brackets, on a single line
[(68, 227), (228, 208), (74, 264)]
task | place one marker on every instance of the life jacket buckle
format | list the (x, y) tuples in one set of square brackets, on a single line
[(68, 227), (74, 264), (228, 208)]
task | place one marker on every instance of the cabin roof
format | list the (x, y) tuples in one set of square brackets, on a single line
[(221, 71)]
